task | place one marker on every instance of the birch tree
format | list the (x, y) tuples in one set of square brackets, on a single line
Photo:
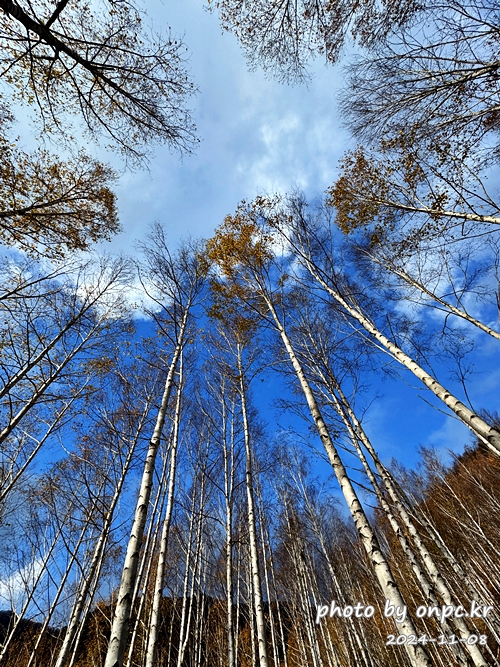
[(56, 329), (410, 197), (252, 519), (424, 566), (436, 74), (123, 425), (244, 257), (49, 205), (285, 38), (310, 239), (178, 281), (220, 411), (160, 568), (455, 282)]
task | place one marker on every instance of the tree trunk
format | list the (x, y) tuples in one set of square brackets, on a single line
[(160, 570), (417, 654), (489, 435), (252, 521), (119, 630)]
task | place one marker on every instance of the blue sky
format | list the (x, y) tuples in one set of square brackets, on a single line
[(257, 136)]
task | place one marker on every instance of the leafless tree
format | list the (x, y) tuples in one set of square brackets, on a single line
[(100, 64)]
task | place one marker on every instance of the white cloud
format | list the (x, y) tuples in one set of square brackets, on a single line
[(257, 136), (13, 587), (451, 435)]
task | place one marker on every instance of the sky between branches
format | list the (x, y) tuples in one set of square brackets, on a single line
[(257, 136)]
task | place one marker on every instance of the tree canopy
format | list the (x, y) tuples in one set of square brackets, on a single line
[(98, 63), (49, 206)]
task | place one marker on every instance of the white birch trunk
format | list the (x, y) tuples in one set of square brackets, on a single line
[(417, 655), (160, 570), (86, 611), (278, 611), (338, 592), (119, 630), (228, 493), (96, 561), (304, 591), (251, 615), (187, 609), (185, 587), (429, 563), (145, 566), (252, 521), (238, 603), (491, 621), (274, 643), (422, 580), (489, 435)]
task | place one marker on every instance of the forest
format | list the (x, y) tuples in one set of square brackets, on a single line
[(189, 472)]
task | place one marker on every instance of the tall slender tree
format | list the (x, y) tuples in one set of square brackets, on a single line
[(244, 256), (178, 281)]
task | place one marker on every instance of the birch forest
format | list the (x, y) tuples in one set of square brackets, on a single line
[(189, 472)]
